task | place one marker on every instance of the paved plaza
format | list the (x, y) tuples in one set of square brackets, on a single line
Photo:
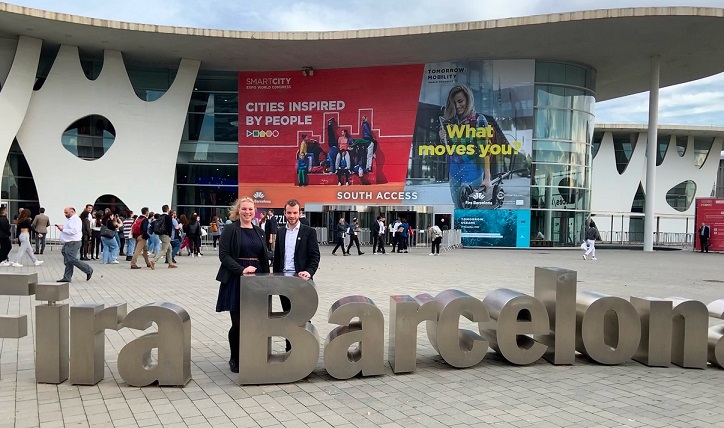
[(493, 393)]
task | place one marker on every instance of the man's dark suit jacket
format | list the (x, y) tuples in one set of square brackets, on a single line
[(306, 250), (705, 233)]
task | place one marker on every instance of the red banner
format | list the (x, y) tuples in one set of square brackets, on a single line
[(290, 121), (711, 212)]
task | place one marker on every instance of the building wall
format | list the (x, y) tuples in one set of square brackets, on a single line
[(681, 158)]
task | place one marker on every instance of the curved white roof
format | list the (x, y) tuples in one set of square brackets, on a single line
[(618, 43)]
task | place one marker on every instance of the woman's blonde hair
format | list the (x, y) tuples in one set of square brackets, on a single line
[(450, 105), (234, 209)]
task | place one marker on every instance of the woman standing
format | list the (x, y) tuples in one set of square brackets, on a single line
[(96, 235), (242, 251), (110, 245), (193, 233), (23, 233)]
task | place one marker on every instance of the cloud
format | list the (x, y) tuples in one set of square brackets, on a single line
[(700, 102)]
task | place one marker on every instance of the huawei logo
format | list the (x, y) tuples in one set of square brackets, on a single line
[(259, 195)]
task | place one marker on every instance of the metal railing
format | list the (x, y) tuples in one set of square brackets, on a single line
[(674, 239), (418, 239)]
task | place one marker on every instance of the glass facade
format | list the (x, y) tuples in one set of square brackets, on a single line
[(562, 150), (207, 163)]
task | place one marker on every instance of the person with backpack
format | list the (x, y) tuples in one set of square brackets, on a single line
[(163, 227), (139, 231), (193, 233), (215, 228), (154, 241)]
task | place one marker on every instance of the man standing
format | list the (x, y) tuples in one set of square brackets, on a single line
[(40, 225), (704, 238), (270, 228), (86, 218), (296, 251), (139, 230), (354, 231), (165, 235), (70, 237), (381, 229)]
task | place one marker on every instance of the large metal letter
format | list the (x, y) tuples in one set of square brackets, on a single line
[(257, 364), (88, 324), (369, 332), (51, 333), (608, 328), (16, 284), (406, 313), (173, 340), (716, 334), (655, 346), (518, 315), (556, 288), (689, 336), (459, 348)]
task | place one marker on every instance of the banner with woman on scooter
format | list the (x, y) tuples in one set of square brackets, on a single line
[(480, 114)]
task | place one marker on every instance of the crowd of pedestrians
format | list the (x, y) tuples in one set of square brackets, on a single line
[(104, 235)]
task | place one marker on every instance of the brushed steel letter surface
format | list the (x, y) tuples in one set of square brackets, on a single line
[(655, 346), (52, 291), (18, 284), (173, 340), (406, 313), (368, 357), (88, 324), (608, 328), (715, 349), (257, 364), (689, 338), (518, 315), (556, 289), (459, 348), (51, 343)]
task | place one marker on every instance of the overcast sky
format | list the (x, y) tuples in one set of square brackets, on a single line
[(695, 103)]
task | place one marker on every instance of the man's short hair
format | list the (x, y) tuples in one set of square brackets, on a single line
[(89, 205), (291, 203), (164, 208), (144, 210), (42, 210)]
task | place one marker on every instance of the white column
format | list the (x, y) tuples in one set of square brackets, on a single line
[(651, 149)]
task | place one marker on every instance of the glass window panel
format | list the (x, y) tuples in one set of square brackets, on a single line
[(18, 188), (681, 143), (623, 145), (206, 195), (681, 196), (558, 175), (663, 143), (702, 146), (575, 75), (553, 123), (210, 152), (224, 175)]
